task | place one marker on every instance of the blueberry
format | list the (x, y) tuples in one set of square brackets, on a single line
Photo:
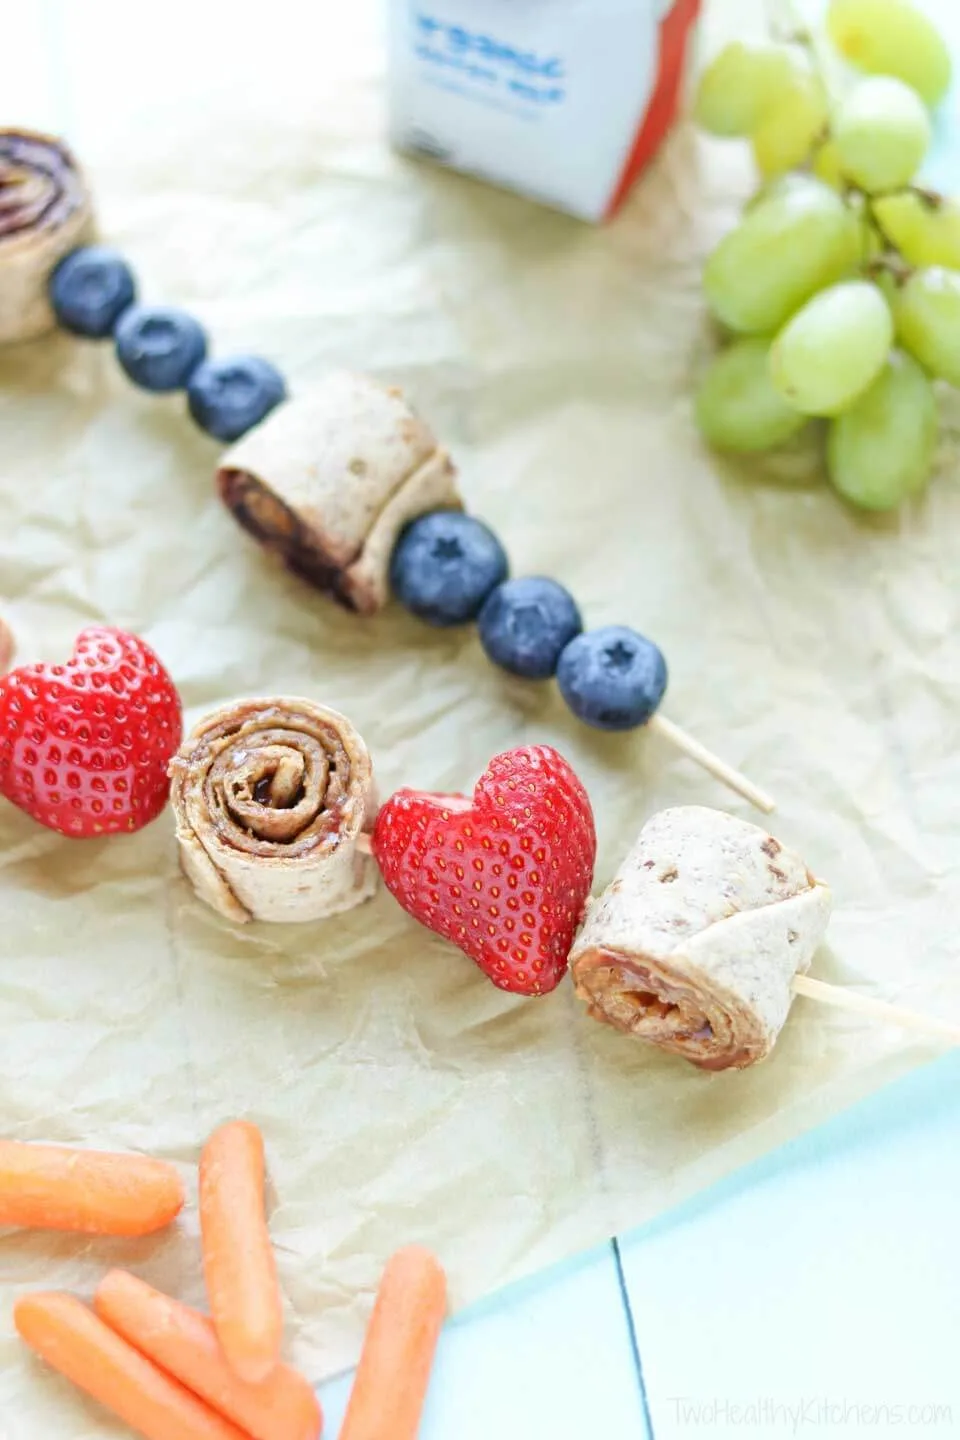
[(612, 678), (158, 347), (444, 566), (228, 397), (525, 623), (90, 289)]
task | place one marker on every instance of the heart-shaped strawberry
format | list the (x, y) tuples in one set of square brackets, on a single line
[(505, 876), (84, 747)]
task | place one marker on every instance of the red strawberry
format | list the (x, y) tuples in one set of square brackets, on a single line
[(506, 876), (84, 747)]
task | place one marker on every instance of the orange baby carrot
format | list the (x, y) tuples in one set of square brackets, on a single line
[(53, 1187), (69, 1337), (238, 1263), (394, 1371), (184, 1344)]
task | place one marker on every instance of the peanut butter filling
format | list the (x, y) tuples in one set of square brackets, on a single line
[(633, 999)]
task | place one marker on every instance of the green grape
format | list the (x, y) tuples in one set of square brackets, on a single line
[(892, 37), (737, 406), (783, 251), (793, 181), (788, 129), (826, 165), (880, 451), (739, 84), (831, 350), (872, 243), (882, 133), (927, 313), (924, 233), (887, 283)]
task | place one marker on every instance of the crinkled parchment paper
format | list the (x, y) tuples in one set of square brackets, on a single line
[(402, 1097)]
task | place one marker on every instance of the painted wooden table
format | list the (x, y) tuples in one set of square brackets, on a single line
[(816, 1292)]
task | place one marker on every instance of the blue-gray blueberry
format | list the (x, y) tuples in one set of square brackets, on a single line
[(444, 566), (525, 624), (159, 347), (612, 678), (90, 289), (228, 397)]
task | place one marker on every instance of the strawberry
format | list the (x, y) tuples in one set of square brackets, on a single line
[(84, 747), (505, 876)]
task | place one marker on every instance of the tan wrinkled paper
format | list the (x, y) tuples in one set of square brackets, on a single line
[(402, 1097)]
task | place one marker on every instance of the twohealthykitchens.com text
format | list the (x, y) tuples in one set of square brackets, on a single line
[(764, 1415)]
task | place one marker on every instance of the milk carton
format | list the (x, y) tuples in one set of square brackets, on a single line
[(563, 100)]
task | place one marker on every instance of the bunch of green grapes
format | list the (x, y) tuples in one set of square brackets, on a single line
[(840, 286)]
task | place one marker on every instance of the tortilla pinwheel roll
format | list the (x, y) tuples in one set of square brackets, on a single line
[(329, 479), (695, 943), (269, 798), (7, 646), (45, 212)]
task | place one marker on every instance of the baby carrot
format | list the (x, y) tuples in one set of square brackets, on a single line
[(238, 1263), (53, 1187), (394, 1371), (69, 1337), (184, 1344)]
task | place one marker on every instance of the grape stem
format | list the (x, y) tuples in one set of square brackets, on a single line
[(785, 23), (889, 264), (931, 198), (891, 260), (877, 224), (785, 19)]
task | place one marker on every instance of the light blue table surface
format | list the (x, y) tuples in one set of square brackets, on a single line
[(817, 1291)]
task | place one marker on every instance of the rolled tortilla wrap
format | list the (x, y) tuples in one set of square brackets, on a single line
[(7, 647), (695, 943), (269, 798), (45, 212), (329, 479)]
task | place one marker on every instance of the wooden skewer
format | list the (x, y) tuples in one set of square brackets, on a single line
[(841, 997), (719, 768), (845, 999)]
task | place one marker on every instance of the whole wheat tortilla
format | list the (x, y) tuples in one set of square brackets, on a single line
[(7, 646), (45, 212), (694, 943), (270, 797), (328, 480)]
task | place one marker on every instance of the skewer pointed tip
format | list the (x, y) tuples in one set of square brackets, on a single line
[(842, 998)]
